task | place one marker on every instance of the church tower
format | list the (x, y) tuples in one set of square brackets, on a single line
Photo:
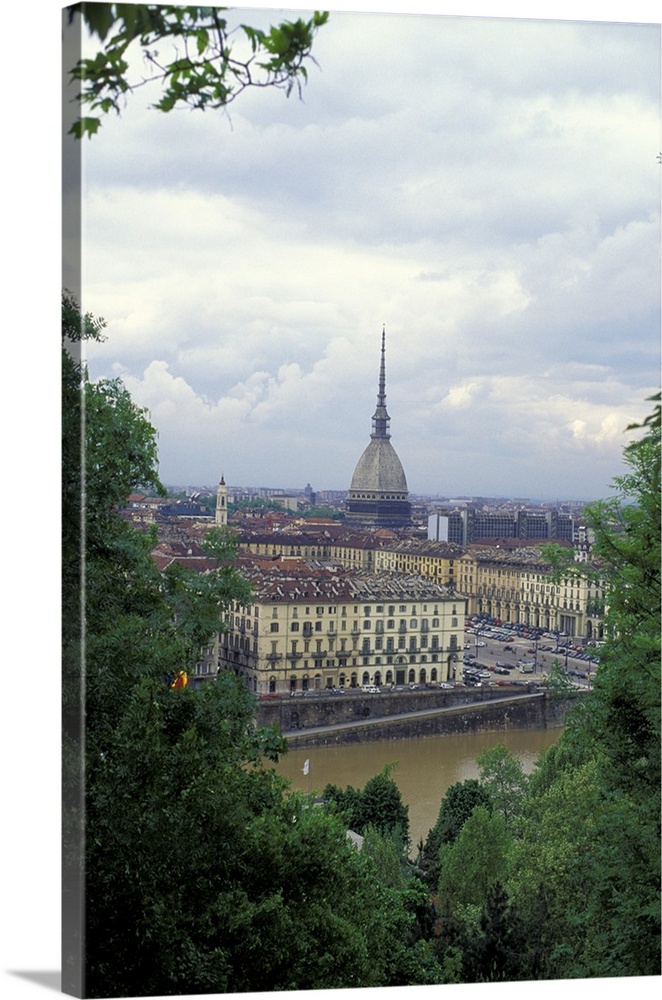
[(378, 494), (221, 517)]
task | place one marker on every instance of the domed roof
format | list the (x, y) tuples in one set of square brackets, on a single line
[(379, 469), (378, 493)]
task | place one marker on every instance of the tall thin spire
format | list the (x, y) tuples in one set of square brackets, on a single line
[(381, 419)]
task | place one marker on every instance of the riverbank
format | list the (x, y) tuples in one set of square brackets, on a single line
[(360, 718)]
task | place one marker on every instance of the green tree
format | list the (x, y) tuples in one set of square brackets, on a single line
[(558, 682), (625, 711), (503, 777), (587, 876), (552, 870), (493, 954), (456, 807), (381, 806), (474, 861), (196, 56), (405, 914), (326, 512)]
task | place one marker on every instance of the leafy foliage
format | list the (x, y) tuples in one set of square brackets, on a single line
[(198, 59), (471, 865), (502, 776), (563, 881), (379, 804), (456, 807)]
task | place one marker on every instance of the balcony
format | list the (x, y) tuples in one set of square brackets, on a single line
[(272, 657)]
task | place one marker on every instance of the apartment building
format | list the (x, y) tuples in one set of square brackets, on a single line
[(352, 549), (510, 583), (518, 586), (437, 561), (313, 627)]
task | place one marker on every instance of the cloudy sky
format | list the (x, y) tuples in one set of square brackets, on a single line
[(486, 188)]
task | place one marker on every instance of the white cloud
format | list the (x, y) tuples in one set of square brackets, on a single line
[(486, 188)]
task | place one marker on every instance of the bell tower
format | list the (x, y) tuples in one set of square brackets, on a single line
[(221, 517)]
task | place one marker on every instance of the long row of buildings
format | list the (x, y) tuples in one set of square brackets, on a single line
[(335, 607)]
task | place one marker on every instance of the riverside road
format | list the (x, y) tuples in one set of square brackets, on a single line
[(365, 724)]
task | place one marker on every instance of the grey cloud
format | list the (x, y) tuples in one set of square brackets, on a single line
[(485, 188)]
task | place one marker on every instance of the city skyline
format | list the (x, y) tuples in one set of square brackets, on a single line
[(492, 200)]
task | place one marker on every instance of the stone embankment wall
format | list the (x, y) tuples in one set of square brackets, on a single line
[(358, 718)]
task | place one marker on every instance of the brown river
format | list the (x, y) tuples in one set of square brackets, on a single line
[(426, 766)]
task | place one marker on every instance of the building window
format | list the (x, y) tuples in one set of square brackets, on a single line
[(294, 627), (273, 627)]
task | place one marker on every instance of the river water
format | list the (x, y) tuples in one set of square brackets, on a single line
[(426, 766)]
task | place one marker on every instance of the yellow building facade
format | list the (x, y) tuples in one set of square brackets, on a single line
[(330, 629)]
